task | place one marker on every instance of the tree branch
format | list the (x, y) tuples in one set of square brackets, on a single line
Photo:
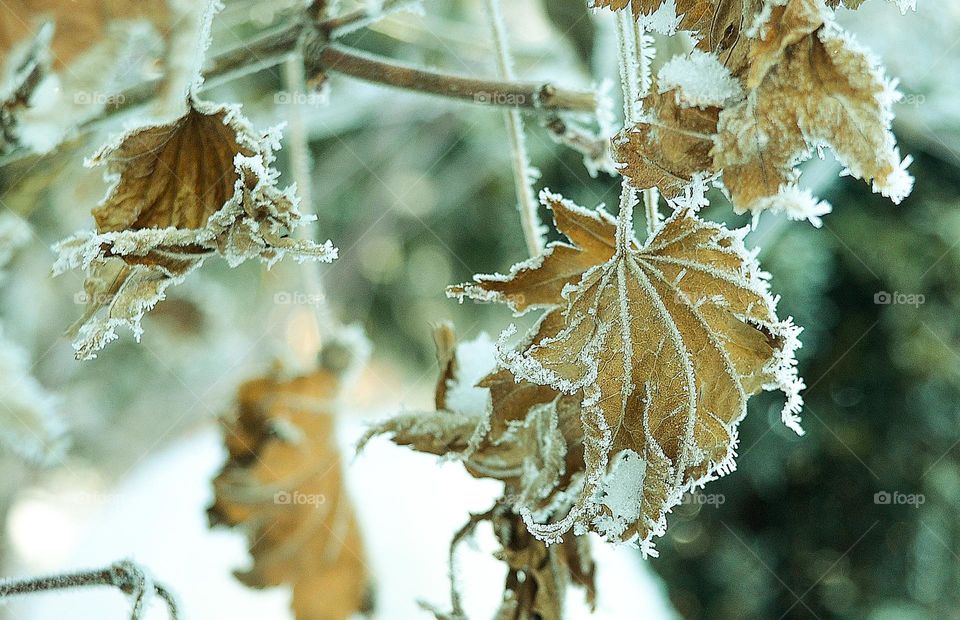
[(321, 54), (124, 575), (503, 93)]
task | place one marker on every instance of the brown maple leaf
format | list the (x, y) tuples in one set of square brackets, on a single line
[(283, 485), (202, 184), (665, 341), (810, 86)]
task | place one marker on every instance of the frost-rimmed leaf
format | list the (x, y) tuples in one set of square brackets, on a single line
[(665, 341), (811, 85), (181, 191), (719, 26)]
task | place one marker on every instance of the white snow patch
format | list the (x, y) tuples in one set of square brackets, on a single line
[(700, 80)]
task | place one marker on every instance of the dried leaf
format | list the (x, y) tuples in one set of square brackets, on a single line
[(670, 146), (283, 485), (538, 575), (665, 341), (721, 25), (181, 191), (80, 24), (811, 86), (525, 435)]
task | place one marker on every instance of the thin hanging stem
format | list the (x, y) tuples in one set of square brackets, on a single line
[(299, 149), (644, 54), (629, 81), (523, 175)]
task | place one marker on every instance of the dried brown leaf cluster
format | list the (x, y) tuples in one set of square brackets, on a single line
[(61, 62), (529, 439), (283, 485), (799, 83), (202, 184)]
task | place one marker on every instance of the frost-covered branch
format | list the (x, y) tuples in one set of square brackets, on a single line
[(504, 93), (322, 54), (124, 575)]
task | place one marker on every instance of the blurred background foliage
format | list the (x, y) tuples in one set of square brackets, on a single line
[(417, 194)]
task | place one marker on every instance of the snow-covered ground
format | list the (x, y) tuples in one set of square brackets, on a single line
[(409, 506)]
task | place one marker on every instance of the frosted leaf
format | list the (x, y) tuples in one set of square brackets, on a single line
[(282, 485), (180, 192), (699, 80), (718, 25), (811, 85), (665, 341), (670, 146), (498, 428)]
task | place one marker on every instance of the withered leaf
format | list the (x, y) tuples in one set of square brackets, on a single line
[(82, 52), (181, 191), (283, 485), (721, 25), (527, 436), (666, 342), (670, 147), (538, 575), (80, 24), (811, 85)]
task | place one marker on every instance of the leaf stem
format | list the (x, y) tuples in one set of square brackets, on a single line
[(629, 81), (651, 196), (523, 175)]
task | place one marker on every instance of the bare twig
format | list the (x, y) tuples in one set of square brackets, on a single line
[(531, 96), (124, 575), (299, 150)]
